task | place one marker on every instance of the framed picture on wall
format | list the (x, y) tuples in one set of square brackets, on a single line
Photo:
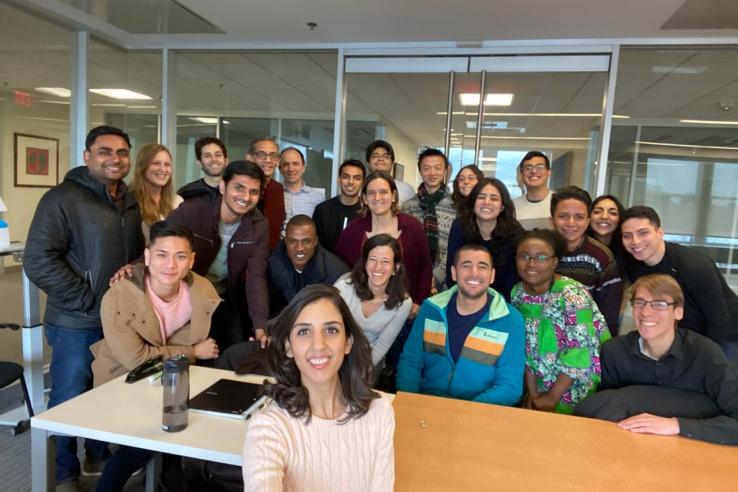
[(36, 161)]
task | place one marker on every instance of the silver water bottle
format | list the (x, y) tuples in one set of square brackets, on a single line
[(176, 382)]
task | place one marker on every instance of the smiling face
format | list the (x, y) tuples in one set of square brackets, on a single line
[(300, 242), (266, 155), (108, 159), (654, 325), (292, 167), (168, 259), (535, 173), (212, 160), (571, 219), (350, 181), (466, 180), (488, 205), (605, 218), (240, 196), (159, 171), (380, 266), (433, 172), (473, 273), (643, 240), (318, 344), (536, 263), (379, 197), (381, 160)]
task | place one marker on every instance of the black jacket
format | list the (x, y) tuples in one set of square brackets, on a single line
[(710, 305), (197, 189), (77, 240), (284, 281)]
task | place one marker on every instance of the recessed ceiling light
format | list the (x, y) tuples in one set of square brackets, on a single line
[(204, 119), (120, 94), (55, 91), (491, 99), (140, 107), (678, 70), (108, 105), (52, 101), (710, 122)]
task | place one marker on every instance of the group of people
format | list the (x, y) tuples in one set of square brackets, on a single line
[(460, 292)]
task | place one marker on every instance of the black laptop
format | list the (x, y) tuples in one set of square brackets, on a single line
[(229, 398)]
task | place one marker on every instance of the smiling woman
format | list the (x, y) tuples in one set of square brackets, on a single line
[(321, 404), (152, 185)]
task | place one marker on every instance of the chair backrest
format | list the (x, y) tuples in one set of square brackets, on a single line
[(12, 326)]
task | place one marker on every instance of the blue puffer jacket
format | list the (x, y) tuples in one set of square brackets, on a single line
[(490, 367)]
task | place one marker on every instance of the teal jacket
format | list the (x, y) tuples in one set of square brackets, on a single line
[(492, 361)]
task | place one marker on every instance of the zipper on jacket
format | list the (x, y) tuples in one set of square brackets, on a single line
[(233, 243)]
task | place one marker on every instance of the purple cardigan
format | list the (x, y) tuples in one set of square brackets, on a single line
[(415, 252)]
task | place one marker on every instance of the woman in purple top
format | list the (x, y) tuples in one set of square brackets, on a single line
[(381, 215)]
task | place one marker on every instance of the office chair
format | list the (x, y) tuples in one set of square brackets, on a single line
[(9, 373)]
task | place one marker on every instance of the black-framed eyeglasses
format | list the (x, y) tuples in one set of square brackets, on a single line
[(274, 156), (529, 168), (540, 258), (655, 305)]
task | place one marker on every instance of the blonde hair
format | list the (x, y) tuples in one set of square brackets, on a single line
[(659, 285), (151, 212)]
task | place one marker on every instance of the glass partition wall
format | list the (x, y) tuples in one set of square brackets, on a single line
[(486, 110)]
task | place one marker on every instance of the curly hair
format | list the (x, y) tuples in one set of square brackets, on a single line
[(506, 222), (355, 374), (396, 288), (459, 199)]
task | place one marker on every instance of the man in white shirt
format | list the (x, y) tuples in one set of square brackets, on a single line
[(299, 199), (380, 156), (533, 207)]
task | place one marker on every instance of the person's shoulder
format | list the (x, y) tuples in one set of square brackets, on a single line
[(325, 205), (202, 286), (381, 405), (686, 258), (620, 345), (406, 220)]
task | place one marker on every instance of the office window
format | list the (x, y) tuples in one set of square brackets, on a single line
[(239, 96), (674, 147)]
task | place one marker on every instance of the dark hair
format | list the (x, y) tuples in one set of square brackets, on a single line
[(302, 156), (244, 168), (472, 247), (659, 284), (621, 212), (642, 212), (571, 193), (395, 208), (167, 229), (380, 144), (530, 155), (354, 163), (300, 220), (252, 146), (397, 285), (459, 199), (203, 141), (102, 130), (548, 236), (428, 152), (355, 373), (506, 222)]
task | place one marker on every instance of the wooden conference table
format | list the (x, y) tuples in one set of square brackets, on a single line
[(440, 444), (444, 444)]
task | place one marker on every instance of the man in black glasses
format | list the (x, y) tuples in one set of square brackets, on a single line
[(265, 152), (710, 305), (663, 379)]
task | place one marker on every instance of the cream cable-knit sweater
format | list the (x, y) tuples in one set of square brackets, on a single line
[(283, 453)]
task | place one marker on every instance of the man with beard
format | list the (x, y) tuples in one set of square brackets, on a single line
[(467, 342), (211, 154)]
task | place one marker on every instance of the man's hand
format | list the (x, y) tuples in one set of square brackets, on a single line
[(207, 349), (414, 311), (646, 423), (125, 271), (544, 402), (260, 336)]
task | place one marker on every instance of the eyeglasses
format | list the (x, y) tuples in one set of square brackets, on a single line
[(274, 156), (525, 258), (386, 157), (529, 168), (655, 305)]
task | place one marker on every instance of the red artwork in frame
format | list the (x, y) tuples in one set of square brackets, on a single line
[(36, 161)]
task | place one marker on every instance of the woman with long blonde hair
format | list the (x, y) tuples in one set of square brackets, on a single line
[(152, 185)]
